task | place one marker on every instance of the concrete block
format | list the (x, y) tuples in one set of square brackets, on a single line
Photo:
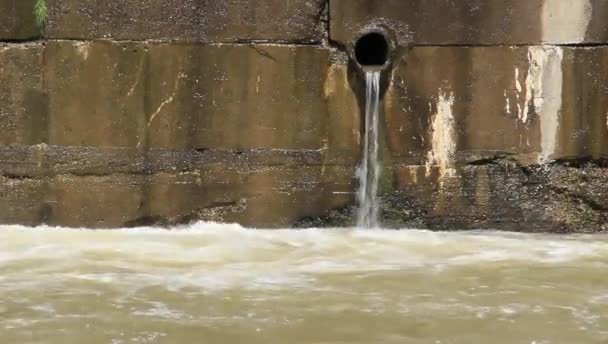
[(473, 22), (208, 21)]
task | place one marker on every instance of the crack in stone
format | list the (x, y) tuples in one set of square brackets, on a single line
[(494, 160), (162, 105), (140, 70), (578, 163), (263, 52), (17, 177)]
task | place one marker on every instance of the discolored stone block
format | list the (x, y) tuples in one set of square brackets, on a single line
[(23, 201), (182, 96), (501, 194), (267, 197), (473, 22), (26, 162), (95, 94), (209, 21), (252, 134), (95, 201), (241, 97), (23, 100), (85, 186), (158, 129), (499, 137), (583, 123), (460, 104), (344, 114), (17, 20)]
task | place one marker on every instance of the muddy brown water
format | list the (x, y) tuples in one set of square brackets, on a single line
[(212, 283)]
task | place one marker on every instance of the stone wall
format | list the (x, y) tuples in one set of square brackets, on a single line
[(166, 112)]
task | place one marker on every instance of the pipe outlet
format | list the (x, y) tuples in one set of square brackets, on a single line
[(372, 50)]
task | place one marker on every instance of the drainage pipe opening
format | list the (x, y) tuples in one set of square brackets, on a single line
[(372, 50)]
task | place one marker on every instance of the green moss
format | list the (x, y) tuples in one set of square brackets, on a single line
[(40, 13)]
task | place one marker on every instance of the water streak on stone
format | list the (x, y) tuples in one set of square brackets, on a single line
[(443, 141), (565, 21), (542, 95)]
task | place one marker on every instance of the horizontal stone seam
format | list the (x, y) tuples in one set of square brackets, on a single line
[(21, 40), (331, 44), (48, 148), (165, 41), (512, 45), (194, 163), (200, 172), (500, 162)]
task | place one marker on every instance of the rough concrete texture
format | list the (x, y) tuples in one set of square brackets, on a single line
[(150, 113), (536, 103), (17, 20), (22, 97), (182, 96), (210, 21), (114, 187), (513, 138), (139, 133), (473, 22)]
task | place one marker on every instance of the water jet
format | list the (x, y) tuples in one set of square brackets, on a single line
[(371, 52)]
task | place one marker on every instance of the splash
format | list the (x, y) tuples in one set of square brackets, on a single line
[(370, 169)]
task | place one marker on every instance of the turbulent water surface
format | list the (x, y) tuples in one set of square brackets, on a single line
[(224, 284)]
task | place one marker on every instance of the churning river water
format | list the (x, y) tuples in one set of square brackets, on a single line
[(212, 283)]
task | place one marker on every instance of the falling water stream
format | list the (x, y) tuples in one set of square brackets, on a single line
[(370, 169)]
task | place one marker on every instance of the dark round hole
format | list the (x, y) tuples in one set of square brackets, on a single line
[(372, 50)]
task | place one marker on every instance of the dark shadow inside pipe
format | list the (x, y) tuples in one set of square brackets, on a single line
[(372, 50)]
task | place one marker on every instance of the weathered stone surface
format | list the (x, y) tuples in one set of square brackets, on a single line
[(165, 134), (22, 97), (94, 201), (536, 103), (17, 20), (238, 96), (18, 161), (114, 187), (344, 114), (208, 21), (264, 198), (102, 133), (23, 201), (487, 137), (502, 194), (473, 22), (268, 196), (583, 122), (95, 98), (192, 96)]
